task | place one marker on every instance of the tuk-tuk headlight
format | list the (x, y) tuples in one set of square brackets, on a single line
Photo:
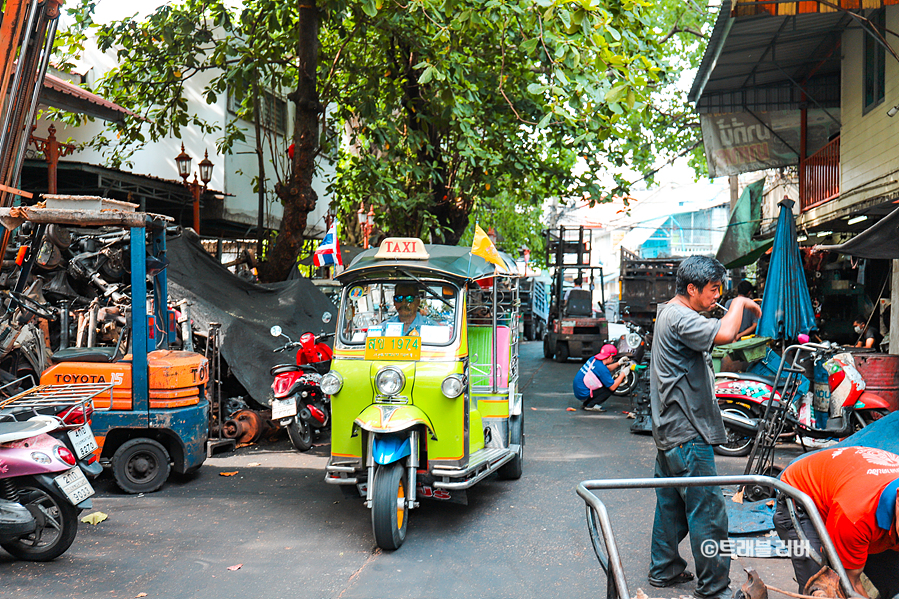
[(331, 383), (390, 381), (452, 386)]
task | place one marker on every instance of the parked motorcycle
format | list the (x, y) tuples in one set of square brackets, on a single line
[(744, 400), (40, 480), (633, 345), (71, 415), (297, 400)]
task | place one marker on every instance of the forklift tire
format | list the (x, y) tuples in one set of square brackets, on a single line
[(547, 349), (562, 352), (140, 466)]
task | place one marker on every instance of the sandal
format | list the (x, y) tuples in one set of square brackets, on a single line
[(679, 579)]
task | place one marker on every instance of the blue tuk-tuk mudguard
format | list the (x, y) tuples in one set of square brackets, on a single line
[(387, 449), (393, 419)]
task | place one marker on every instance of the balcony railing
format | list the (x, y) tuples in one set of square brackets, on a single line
[(820, 176)]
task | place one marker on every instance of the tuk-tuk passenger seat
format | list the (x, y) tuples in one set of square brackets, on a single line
[(480, 355)]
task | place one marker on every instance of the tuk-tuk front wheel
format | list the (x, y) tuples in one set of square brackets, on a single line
[(140, 466), (389, 512)]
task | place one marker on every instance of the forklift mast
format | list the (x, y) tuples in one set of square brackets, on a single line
[(27, 30)]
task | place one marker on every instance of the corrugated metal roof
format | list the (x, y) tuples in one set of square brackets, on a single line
[(758, 62), (61, 94)]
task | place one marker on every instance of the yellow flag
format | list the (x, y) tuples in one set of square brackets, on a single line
[(483, 247)]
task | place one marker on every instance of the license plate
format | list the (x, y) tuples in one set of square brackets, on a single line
[(283, 408), (83, 440), (74, 485)]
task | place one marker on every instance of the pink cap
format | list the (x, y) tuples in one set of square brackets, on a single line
[(607, 350)]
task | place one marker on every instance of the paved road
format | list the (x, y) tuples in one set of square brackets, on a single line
[(295, 536)]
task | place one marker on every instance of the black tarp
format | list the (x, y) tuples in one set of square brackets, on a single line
[(880, 241), (246, 311)]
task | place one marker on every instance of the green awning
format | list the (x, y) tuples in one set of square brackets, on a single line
[(738, 248)]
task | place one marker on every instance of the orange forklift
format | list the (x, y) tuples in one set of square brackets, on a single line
[(157, 418)]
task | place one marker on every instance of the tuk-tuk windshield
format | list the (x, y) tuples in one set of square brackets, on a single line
[(399, 309)]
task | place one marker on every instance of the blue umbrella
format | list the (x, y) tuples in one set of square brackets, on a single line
[(786, 306)]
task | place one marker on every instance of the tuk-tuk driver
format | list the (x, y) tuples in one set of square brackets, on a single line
[(406, 300)]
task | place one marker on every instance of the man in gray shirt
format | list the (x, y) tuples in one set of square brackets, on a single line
[(686, 423)]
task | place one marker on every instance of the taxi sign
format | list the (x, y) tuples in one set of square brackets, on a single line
[(402, 248)]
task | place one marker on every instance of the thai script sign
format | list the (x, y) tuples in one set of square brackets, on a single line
[(740, 142)]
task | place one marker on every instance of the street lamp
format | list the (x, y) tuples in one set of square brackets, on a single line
[(183, 161), (366, 221)]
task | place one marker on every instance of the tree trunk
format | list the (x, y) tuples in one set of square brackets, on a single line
[(450, 211), (296, 193)]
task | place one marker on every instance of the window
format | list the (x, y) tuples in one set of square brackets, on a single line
[(875, 60), (274, 109)]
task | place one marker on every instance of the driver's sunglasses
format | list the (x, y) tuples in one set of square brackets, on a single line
[(399, 299)]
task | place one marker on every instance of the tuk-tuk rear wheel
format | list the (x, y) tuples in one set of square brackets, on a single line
[(512, 469), (389, 512)]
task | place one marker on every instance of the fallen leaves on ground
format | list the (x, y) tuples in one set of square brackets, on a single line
[(236, 567), (140, 595), (94, 518), (738, 497), (228, 473), (254, 464), (570, 410)]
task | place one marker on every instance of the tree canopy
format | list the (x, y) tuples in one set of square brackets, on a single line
[(434, 112)]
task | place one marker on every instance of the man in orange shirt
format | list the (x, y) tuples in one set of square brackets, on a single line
[(855, 491)]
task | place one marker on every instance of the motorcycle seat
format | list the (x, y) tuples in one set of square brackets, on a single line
[(106, 355), (17, 431), (745, 376), (282, 368)]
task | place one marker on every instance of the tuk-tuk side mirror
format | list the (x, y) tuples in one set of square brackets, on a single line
[(326, 317), (275, 331)]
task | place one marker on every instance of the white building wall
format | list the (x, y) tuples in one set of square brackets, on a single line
[(869, 160), (232, 174)]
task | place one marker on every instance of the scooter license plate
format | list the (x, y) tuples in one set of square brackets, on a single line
[(83, 440), (74, 485), (283, 408)]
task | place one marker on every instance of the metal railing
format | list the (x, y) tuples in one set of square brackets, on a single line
[(606, 547), (819, 179)]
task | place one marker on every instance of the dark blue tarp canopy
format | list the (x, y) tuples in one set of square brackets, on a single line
[(786, 305)]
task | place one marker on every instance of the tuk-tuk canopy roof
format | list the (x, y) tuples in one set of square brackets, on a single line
[(453, 261)]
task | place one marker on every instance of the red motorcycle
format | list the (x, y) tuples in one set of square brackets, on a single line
[(297, 400)]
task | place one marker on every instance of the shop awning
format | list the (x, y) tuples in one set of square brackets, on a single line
[(766, 61), (738, 248), (879, 241)]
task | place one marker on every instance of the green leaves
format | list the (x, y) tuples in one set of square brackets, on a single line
[(437, 97)]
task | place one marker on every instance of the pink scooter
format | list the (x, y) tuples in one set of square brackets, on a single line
[(42, 490)]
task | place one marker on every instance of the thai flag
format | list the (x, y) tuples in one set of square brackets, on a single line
[(328, 253)]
